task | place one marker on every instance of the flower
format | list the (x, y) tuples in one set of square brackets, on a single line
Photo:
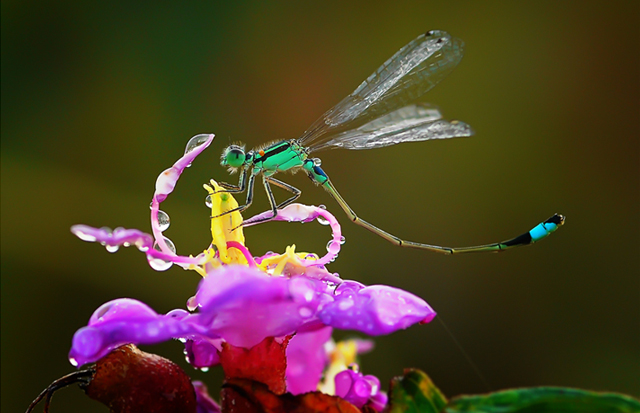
[(243, 300), (359, 389)]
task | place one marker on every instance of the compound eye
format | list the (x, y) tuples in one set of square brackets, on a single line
[(233, 156)]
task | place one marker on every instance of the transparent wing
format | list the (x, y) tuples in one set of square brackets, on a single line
[(411, 123), (400, 81)]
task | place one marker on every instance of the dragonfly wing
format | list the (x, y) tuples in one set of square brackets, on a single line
[(401, 80), (411, 123)]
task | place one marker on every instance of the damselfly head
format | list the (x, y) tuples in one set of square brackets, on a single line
[(233, 156)]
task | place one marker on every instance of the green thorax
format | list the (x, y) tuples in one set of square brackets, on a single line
[(279, 157)]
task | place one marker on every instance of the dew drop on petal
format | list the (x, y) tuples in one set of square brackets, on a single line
[(192, 304), (159, 264), (321, 206), (342, 240), (163, 221), (204, 369), (333, 247), (169, 243), (195, 142), (345, 304), (305, 312), (73, 362), (112, 248), (322, 220), (83, 236), (207, 201), (141, 246)]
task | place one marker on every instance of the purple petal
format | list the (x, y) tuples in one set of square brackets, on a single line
[(358, 389), (112, 240), (126, 321), (205, 402), (306, 213), (306, 360), (167, 180), (379, 401), (244, 305), (203, 353), (237, 303), (115, 238), (374, 310), (165, 184)]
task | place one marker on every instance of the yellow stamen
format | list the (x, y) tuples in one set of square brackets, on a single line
[(226, 227)]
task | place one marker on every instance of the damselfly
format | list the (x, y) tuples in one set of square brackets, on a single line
[(384, 110)]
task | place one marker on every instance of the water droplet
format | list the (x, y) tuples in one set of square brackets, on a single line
[(322, 220), (305, 312), (112, 248), (85, 237), (322, 206), (208, 202), (163, 221), (342, 240), (140, 245), (333, 247), (192, 304), (317, 161), (73, 362), (169, 243), (204, 369), (195, 142), (126, 244), (158, 264)]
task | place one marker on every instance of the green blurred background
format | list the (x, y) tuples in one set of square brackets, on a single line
[(98, 98)]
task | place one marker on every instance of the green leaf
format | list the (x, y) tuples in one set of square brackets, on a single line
[(545, 400), (415, 393)]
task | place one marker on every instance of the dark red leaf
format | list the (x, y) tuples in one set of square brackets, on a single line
[(129, 380), (246, 396)]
